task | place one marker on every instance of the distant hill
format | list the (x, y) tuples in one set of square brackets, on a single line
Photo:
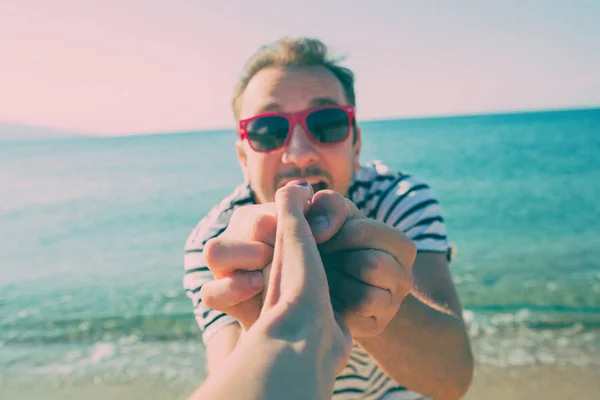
[(11, 131)]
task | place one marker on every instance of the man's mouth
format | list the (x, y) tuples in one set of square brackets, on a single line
[(319, 185), (316, 184)]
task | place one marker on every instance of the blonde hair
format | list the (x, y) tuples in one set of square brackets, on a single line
[(300, 52)]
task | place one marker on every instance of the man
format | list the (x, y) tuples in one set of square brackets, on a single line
[(380, 233)]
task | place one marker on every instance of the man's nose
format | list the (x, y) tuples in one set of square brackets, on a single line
[(300, 149)]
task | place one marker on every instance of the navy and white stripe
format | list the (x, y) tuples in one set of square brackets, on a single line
[(396, 198), (195, 269)]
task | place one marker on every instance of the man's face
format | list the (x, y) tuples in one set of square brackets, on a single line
[(293, 89)]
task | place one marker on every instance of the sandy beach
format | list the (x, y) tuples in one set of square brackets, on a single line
[(517, 383), (535, 382)]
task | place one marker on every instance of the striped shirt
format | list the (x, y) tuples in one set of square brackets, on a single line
[(396, 198)]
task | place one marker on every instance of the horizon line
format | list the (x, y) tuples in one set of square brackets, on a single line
[(380, 119), (365, 120)]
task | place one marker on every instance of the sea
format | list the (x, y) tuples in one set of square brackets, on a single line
[(92, 231)]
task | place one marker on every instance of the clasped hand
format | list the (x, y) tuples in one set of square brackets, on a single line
[(368, 264)]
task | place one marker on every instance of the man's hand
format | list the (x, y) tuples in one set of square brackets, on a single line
[(368, 263), (237, 258)]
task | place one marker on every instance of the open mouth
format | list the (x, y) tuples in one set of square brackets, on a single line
[(320, 185), (316, 184)]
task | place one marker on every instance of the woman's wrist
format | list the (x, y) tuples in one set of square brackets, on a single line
[(310, 334)]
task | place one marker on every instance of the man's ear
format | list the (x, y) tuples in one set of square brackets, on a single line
[(241, 155), (356, 148)]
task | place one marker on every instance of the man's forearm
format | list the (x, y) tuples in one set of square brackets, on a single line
[(424, 348)]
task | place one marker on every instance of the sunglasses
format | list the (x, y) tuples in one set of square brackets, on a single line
[(271, 131)]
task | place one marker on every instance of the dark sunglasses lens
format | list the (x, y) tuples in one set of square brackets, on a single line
[(267, 133), (328, 125)]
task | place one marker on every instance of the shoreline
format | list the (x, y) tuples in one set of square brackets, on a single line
[(490, 382)]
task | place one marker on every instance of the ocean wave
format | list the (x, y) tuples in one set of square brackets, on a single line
[(481, 321), (535, 317), (171, 344), (155, 328)]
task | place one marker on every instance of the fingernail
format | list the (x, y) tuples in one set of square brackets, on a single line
[(302, 183), (256, 280), (319, 223)]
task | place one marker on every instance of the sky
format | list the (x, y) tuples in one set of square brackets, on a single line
[(125, 67)]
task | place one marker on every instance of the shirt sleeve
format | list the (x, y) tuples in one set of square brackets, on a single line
[(196, 274), (409, 204)]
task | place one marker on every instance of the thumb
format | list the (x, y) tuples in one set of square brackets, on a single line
[(297, 272)]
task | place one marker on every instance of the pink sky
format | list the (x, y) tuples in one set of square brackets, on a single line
[(135, 66)]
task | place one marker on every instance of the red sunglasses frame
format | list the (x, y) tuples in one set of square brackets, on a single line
[(297, 118)]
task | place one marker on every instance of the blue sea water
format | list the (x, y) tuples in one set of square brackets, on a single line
[(92, 233)]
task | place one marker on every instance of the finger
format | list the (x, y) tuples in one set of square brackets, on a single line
[(358, 325), (361, 298), (293, 200), (223, 255), (373, 267), (234, 296), (361, 326), (365, 233), (225, 293), (257, 222), (328, 213), (297, 269)]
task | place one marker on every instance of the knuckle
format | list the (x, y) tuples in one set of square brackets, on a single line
[(402, 288), (368, 327), (368, 303), (240, 286), (239, 214), (261, 221), (351, 208), (211, 251), (288, 194), (376, 326), (370, 264), (329, 195), (233, 287), (207, 296), (262, 224), (251, 222), (265, 253), (373, 261), (332, 199), (387, 265), (327, 198), (410, 251), (287, 190), (238, 220), (221, 293), (292, 235)]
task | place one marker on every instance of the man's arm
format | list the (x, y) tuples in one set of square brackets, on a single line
[(426, 346)]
